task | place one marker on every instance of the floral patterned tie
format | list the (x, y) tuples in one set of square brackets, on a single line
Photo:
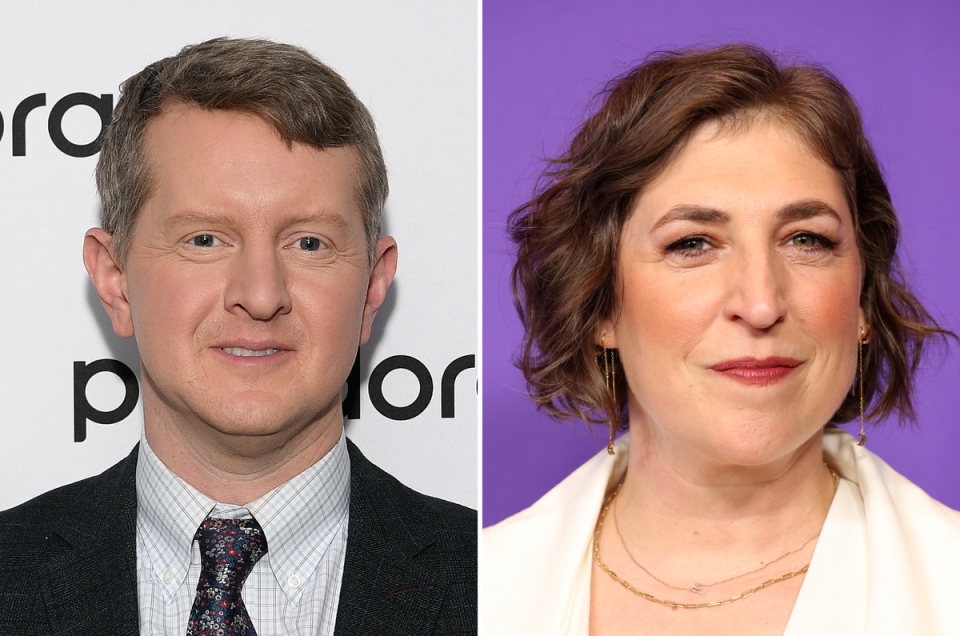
[(229, 548)]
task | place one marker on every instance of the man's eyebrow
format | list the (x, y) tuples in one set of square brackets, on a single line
[(190, 217), (807, 209), (213, 219), (319, 216), (688, 212)]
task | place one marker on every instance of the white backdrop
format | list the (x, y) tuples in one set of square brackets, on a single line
[(413, 63)]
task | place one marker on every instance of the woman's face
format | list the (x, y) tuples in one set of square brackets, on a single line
[(740, 310)]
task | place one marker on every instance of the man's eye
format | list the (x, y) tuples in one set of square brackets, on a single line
[(204, 240), (310, 243)]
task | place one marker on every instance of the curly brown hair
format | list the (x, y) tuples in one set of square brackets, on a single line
[(566, 276)]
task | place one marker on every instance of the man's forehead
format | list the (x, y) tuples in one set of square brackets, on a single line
[(209, 163)]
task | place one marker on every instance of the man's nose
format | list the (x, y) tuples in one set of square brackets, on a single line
[(757, 289), (257, 283)]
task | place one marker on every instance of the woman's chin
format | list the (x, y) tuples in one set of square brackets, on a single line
[(736, 444)]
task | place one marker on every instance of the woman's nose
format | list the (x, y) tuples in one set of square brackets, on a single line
[(757, 290)]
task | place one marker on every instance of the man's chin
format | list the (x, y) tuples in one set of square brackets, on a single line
[(259, 418)]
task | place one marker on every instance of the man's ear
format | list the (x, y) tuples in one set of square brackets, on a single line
[(381, 276), (108, 279)]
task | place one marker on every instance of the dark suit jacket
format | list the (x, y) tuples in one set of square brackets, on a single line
[(68, 562)]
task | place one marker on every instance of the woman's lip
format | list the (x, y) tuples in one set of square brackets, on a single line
[(757, 363), (757, 372)]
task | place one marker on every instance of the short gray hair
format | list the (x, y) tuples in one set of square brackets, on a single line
[(303, 99)]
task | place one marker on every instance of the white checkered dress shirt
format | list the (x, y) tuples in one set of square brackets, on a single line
[(294, 589)]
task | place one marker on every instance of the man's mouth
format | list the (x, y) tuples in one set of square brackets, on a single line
[(245, 353)]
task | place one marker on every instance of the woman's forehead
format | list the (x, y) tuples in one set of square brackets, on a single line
[(758, 168)]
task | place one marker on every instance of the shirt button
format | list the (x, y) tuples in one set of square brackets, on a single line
[(168, 576), (294, 582)]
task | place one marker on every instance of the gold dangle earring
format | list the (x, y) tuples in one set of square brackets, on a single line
[(611, 380), (862, 341)]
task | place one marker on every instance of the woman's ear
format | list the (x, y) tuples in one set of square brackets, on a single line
[(108, 279), (605, 335)]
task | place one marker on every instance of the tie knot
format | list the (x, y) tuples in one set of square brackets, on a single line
[(229, 548)]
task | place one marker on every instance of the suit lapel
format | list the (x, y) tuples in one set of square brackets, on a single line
[(384, 589), (91, 571)]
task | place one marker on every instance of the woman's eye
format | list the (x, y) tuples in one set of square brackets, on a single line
[(310, 243), (204, 240), (689, 244), (810, 240)]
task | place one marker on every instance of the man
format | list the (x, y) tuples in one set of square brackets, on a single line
[(242, 186)]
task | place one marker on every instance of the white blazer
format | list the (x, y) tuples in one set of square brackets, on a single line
[(887, 561)]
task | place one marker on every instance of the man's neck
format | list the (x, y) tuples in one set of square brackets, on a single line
[(236, 469)]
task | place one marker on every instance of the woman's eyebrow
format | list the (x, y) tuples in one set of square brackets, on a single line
[(795, 211), (688, 212), (806, 209)]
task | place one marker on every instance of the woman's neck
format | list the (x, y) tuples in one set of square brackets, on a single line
[(692, 514)]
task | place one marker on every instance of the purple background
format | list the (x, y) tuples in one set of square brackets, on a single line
[(541, 62)]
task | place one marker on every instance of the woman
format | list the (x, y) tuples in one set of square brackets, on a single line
[(712, 264)]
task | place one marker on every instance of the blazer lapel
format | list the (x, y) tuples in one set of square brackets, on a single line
[(384, 589), (91, 569)]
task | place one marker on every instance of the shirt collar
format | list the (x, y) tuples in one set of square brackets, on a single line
[(300, 518)]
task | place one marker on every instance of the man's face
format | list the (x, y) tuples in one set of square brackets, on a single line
[(248, 279)]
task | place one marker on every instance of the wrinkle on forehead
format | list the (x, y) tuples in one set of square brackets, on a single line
[(738, 125)]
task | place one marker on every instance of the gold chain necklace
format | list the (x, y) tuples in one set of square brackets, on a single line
[(674, 604), (698, 587)]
